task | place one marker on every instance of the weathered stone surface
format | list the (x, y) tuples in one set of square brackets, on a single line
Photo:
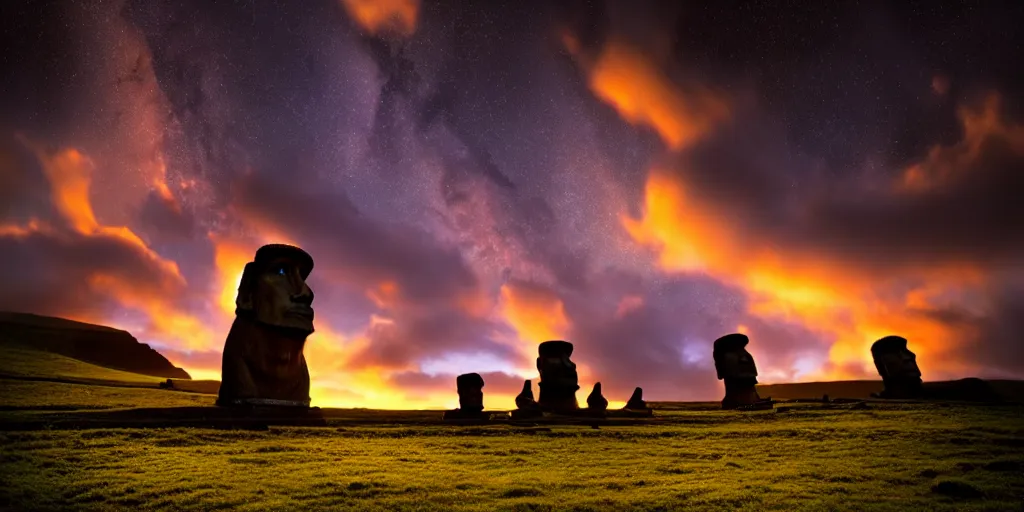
[(96, 344), (636, 400), (263, 361), (558, 379), (596, 401), (897, 366), (736, 367)]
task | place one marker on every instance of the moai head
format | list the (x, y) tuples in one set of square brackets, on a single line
[(525, 400), (273, 294), (263, 361), (894, 361), (471, 392), (273, 290), (558, 378), (636, 400), (554, 365), (732, 361), (596, 401)]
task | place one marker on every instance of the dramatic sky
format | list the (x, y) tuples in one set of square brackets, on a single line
[(473, 180)]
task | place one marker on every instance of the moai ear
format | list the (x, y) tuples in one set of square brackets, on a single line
[(243, 301)]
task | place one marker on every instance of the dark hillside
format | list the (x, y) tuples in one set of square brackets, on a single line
[(96, 344)]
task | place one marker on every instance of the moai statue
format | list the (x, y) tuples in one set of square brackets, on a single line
[(471, 397), (596, 402), (897, 366), (526, 406), (636, 400), (263, 363), (525, 400), (558, 379), (736, 367)]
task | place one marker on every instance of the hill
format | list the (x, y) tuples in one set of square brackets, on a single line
[(96, 344)]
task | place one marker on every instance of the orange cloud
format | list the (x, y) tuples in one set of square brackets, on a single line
[(840, 301), (626, 79), (382, 16), (534, 313), (940, 168), (69, 172)]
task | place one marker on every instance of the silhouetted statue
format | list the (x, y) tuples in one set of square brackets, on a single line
[(736, 367), (471, 397), (897, 366), (636, 400), (263, 363), (558, 379), (596, 401), (471, 392), (526, 406), (525, 400)]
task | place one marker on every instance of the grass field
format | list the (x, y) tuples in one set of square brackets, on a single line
[(24, 362), (864, 456)]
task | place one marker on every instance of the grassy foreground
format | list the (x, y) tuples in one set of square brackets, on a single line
[(915, 457), (871, 456)]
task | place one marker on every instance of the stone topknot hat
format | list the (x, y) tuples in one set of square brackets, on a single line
[(555, 348), (469, 379), (729, 342), (270, 252), (888, 344)]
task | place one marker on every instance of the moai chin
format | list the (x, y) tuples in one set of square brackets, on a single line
[(897, 366), (263, 361), (558, 379), (736, 367)]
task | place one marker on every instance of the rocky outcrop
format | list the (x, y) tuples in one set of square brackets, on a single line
[(96, 344)]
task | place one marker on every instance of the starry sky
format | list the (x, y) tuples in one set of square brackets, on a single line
[(471, 179)]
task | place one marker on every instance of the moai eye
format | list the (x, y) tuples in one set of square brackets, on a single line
[(279, 271)]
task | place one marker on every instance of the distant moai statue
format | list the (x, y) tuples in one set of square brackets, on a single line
[(736, 367), (897, 366), (558, 379), (636, 400), (471, 392), (470, 387), (525, 400), (263, 362), (596, 401)]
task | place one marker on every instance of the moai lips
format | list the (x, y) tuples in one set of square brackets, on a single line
[(263, 361)]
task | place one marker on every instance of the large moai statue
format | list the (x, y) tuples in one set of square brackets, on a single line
[(736, 367), (558, 379), (897, 366), (263, 363)]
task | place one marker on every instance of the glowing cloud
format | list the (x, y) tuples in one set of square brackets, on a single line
[(383, 16)]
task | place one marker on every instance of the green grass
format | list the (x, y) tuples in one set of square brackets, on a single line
[(29, 395), (882, 456), (25, 362)]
